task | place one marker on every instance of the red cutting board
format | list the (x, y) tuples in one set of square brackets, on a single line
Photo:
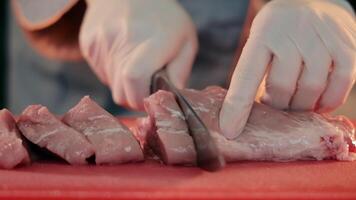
[(150, 180)]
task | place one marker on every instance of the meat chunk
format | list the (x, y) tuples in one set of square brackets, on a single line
[(12, 149), (274, 135), (166, 131), (112, 141), (41, 127)]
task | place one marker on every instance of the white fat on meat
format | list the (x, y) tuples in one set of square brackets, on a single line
[(12, 149), (165, 131), (44, 129), (270, 135), (112, 141)]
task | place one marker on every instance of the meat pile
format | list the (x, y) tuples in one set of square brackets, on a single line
[(88, 132)]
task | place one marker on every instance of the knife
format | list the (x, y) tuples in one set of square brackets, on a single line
[(208, 155)]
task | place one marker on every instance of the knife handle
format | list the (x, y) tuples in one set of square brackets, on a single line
[(160, 81)]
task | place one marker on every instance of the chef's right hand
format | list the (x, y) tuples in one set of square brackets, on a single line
[(126, 41)]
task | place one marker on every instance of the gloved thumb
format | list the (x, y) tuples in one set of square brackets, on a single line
[(180, 67)]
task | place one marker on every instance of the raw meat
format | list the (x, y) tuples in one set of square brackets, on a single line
[(12, 149), (41, 127), (271, 134), (276, 135), (167, 131), (112, 141)]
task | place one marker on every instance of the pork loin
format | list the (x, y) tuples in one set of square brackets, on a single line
[(276, 135), (12, 149), (113, 142), (269, 135), (42, 128)]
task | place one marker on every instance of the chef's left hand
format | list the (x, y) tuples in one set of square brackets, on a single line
[(306, 49)]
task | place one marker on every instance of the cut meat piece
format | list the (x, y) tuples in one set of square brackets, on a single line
[(112, 141), (41, 127), (12, 149), (274, 135), (167, 132)]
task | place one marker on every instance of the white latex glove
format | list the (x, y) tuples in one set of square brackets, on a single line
[(306, 49), (126, 41)]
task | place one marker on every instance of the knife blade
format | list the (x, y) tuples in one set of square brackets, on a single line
[(208, 155)]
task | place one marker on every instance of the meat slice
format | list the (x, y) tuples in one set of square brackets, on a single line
[(41, 127), (274, 135), (165, 130), (112, 141), (12, 149)]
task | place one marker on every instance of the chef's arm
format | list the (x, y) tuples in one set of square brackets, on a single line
[(52, 27)]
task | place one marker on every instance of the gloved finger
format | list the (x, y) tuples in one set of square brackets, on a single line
[(117, 88), (283, 74), (113, 68), (180, 67), (113, 56), (92, 51), (340, 82), (313, 79), (343, 54), (245, 81), (139, 67)]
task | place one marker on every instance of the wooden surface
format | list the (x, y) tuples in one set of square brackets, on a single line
[(151, 180)]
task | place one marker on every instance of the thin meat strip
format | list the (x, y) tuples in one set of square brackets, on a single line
[(274, 135), (165, 130), (113, 142), (42, 128), (12, 149)]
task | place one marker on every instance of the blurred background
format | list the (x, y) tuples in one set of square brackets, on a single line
[(3, 64)]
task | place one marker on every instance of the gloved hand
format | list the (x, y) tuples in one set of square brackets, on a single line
[(305, 50), (126, 41)]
